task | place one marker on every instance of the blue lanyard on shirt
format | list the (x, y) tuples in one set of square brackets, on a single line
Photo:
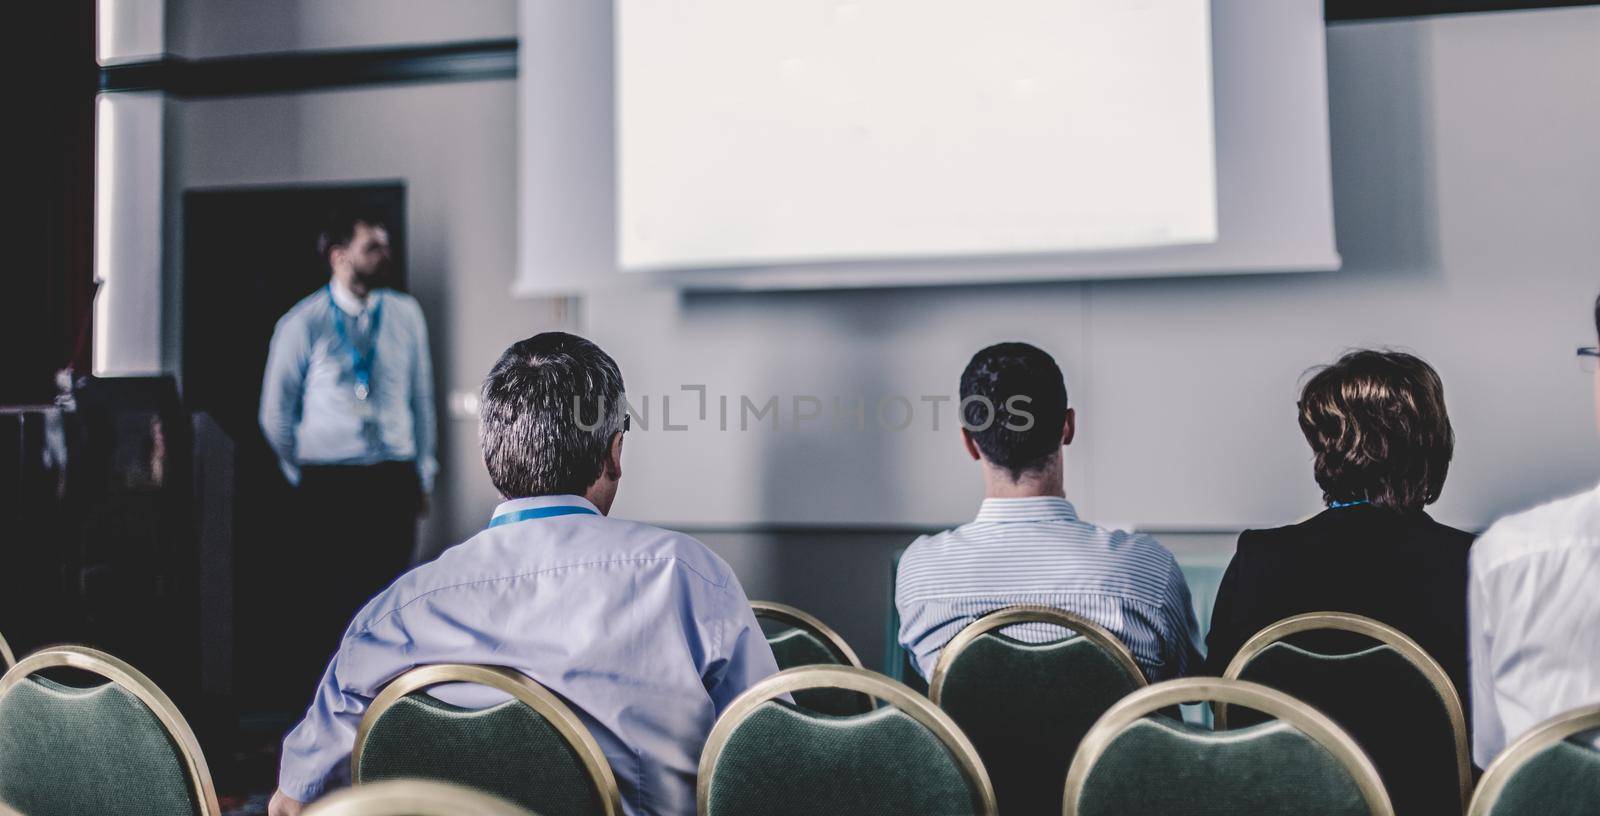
[(540, 512), (360, 364), (1339, 504)]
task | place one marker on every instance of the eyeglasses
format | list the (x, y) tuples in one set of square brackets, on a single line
[(1587, 357)]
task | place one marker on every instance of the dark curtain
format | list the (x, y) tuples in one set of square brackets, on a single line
[(47, 289)]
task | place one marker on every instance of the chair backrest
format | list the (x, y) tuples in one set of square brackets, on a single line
[(1299, 764), (1389, 694), (120, 748), (766, 756), (799, 639), (7, 659), (413, 797), (1026, 706), (1548, 771), (531, 749)]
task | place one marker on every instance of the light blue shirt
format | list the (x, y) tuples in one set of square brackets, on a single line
[(310, 413), (1037, 551), (645, 632)]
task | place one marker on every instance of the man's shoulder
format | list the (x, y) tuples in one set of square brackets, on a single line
[(402, 302), (945, 550), (312, 305), (496, 558), (1539, 528), (652, 541)]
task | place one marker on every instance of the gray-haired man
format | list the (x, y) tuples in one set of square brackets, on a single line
[(644, 631)]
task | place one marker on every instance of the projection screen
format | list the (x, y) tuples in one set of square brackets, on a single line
[(929, 210), (806, 130)]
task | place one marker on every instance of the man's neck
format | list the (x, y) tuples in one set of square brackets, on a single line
[(350, 293), (997, 484)]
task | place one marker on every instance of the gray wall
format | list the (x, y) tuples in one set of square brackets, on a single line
[(1467, 188), (1465, 200)]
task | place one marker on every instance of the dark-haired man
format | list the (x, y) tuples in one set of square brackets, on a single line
[(645, 632), (1533, 604), (347, 406), (1027, 544)]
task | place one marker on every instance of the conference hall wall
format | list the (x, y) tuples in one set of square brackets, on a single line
[(1466, 193)]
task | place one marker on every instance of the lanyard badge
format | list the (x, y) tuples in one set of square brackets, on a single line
[(360, 363)]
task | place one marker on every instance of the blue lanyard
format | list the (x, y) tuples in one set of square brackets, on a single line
[(360, 364), (1339, 505), (540, 512)]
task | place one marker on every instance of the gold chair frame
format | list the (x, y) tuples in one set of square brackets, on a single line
[(521, 688), (1028, 613), (848, 678), (1517, 754), (134, 682), (800, 619), (1388, 636), (413, 797), (7, 659), (1303, 717)]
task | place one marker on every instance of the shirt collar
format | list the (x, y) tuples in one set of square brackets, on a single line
[(518, 505), (347, 300), (1029, 508)]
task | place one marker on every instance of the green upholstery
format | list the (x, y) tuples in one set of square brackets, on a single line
[(1562, 780), (1386, 704), (1026, 706), (1162, 766), (508, 750), (96, 751), (793, 646), (786, 761)]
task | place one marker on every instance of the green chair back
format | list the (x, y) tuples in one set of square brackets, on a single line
[(1026, 706), (118, 748), (1554, 770), (413, 798), (1137, 760), (530, 750), (1382, 689), (767, 757), (798, 639)]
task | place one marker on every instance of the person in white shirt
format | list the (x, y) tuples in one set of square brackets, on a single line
[(1533, 602)]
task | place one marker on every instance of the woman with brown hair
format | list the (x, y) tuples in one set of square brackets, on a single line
[(1382, 442)]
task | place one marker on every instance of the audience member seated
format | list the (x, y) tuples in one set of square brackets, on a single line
[(1027, 544), (1535, 614), (645, 632), (1381, 443)]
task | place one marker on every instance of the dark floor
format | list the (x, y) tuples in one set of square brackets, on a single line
[(247, 775)]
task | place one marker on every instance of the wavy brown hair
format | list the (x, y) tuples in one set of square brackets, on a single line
[(1377, 424)]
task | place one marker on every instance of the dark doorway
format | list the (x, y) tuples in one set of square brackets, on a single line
[(249, 255)]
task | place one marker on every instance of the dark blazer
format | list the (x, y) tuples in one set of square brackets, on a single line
[(1406, 570)]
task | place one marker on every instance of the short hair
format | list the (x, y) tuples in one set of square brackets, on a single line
[(1378, 428), (1020, 437), (550, 408), (339, 227)]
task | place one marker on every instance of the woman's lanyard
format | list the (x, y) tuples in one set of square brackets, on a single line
[(360, 364)]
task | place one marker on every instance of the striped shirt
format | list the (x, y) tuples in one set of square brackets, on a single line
[(1037, 551)]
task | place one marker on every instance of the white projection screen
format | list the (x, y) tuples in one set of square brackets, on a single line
[(754, 133), (1263, 62)]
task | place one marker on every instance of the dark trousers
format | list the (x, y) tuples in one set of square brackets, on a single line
[(357, 528)]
